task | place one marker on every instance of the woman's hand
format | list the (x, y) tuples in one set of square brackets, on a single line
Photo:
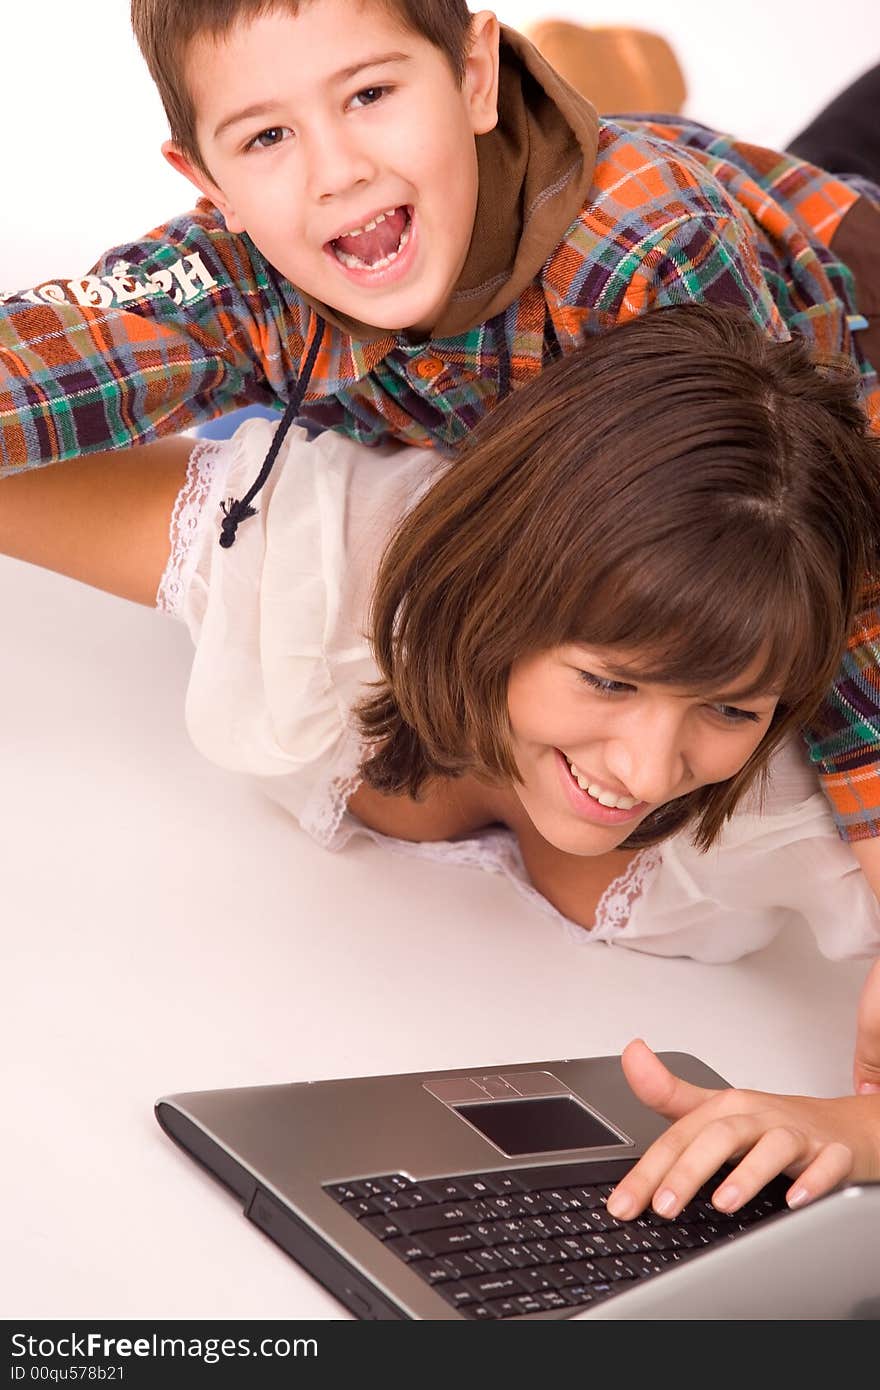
[(820, 1143)]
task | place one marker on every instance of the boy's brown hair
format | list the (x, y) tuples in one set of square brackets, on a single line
[(683, 488), (164, 30)]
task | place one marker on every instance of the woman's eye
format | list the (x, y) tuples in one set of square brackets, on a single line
[(736, 716), (605, 687), (267, 138), (369, 96)]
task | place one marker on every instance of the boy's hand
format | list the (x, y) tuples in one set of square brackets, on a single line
[(866, 1063), (819, 1142)]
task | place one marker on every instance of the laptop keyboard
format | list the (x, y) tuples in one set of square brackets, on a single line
[(528, 1240)]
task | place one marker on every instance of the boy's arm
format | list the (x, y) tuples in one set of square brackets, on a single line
[(844, 743), (714, 260), (162, 334)]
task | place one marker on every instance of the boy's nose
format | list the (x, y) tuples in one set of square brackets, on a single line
[(337, 164)]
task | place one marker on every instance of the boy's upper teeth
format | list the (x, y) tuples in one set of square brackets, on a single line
[(368, 226), (598, 793)]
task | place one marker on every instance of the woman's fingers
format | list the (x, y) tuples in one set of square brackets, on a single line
[(671, 1172), (784, 1150), (656, 1086), (832, 1165), (819, 1142)]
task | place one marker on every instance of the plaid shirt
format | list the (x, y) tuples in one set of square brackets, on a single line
[(191, 321)]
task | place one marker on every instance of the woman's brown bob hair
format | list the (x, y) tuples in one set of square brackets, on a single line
[(681, 487)]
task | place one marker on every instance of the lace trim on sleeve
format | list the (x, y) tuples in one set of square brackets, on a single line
[(325, 811), (615, 906), (186, 518), (495, 851)]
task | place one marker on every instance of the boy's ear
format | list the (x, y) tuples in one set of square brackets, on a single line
[(481, 72), (206, 186)]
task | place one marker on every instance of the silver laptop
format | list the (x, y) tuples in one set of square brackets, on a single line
[(480, 1194)]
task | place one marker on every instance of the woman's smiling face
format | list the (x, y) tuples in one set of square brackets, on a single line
[(599, 749)]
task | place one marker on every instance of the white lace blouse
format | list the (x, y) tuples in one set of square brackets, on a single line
[(280, 657)]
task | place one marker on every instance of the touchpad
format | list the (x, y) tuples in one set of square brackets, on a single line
[(543, 1125)]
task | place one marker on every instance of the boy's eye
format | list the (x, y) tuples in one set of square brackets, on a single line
[(273, 135), (369, 96), (735, 715), (605, 687)]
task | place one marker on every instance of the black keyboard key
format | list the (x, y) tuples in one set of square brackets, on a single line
[(458, 1294), (480, 1311), (551, 1298), (577, 1295), (432, 1271), (589, 1196), (534, 1203), (545, 1251), (362, 1206), (492, 1259), (505, 1207), (517, 1256), (648, 1262), (506, 1308), (444, 1189), (546, 1227), (394, 1201), (346, 1191), (476, 1186), (527, 1303), (462, 1265), (374, 1187), (564, 1275), (383, 1226), (540, 1278), (504, 1284), (502, 1183), (448, 1241), (400, 1183), (407, 1247), (614, 1267), (433, 1218)]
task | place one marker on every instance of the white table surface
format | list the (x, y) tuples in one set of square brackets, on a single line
[(166, 929)]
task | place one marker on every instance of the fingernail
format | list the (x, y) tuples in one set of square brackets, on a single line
[(665, 1202), (727, 1197), (868, 1088), (797, 1196), (620, 1204)]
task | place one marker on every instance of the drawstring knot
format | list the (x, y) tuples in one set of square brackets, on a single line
[(233, 513), (237, 510)]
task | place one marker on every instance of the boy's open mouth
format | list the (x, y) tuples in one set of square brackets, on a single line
[(376, 245)]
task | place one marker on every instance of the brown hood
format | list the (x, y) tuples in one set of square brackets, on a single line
[(535, 169)]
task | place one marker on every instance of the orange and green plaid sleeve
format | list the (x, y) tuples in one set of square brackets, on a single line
[(162, 334), (844, 739)]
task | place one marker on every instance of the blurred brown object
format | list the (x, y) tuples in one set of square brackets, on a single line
[(616, 68)]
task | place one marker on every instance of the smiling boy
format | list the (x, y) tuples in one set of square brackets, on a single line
[(407, 213)]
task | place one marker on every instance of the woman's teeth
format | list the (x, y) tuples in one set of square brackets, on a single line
[(604, 798)]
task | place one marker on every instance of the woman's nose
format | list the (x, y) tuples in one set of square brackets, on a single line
[(649, 762)]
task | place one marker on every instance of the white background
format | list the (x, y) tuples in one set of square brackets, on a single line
[(82, 124)]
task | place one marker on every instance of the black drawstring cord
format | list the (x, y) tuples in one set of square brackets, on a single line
[(234, 511), (502, 352)]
